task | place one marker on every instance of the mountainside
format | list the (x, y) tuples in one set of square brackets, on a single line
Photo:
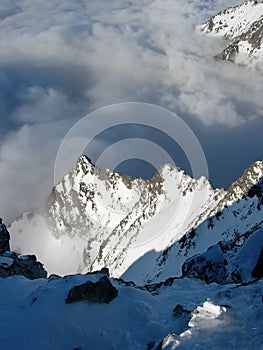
[(230, 231), (143, 230), (196, 284), (103, 261), (105, 219), (242, 27)]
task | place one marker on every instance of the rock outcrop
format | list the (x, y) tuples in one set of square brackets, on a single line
[(26, 265), (100, 292), (235, 261), (258, 270)]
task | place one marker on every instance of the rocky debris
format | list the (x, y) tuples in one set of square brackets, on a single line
[(26, 265), (100, 292)]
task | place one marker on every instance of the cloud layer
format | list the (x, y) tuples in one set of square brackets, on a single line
[(60, 60)]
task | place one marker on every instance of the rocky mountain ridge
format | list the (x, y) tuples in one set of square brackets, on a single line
[(204, 290), (242, 27), (235, 229), (110, 211), (143, 230)]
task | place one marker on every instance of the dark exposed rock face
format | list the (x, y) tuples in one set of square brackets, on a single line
[(4, 240), (238, 260), (99, 292), (258, 270), (28, 266), (204, 268), (180, 310), (182, 317)]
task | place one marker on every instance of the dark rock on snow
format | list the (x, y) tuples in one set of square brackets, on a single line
[(180, 310), (13, 264), (100, 292), (258, 270)]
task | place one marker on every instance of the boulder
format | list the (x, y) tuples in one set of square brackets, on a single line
[(100, 292)]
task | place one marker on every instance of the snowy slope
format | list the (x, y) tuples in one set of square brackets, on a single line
[(238, 216), (143, 230), (184, 314), (100, 218), (202, 291), (242, 26)]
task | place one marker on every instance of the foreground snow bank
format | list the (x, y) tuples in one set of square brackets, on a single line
[(212, 316)]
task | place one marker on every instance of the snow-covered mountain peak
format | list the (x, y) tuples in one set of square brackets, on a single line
[(144, 229), (156, 231), (84, 164), (243, 26), (234, 21), (112, 220), (244, 185)]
